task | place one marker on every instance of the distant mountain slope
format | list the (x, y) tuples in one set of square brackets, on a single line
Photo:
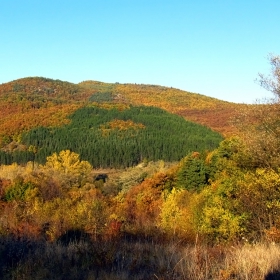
[(201, 109), (40, 89), (116, 135), (31, 102)]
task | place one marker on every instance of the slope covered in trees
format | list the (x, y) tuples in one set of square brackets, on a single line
[(112, 135), (214, 113), (30, 102)]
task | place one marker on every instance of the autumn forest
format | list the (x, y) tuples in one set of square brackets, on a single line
[(128, 181)]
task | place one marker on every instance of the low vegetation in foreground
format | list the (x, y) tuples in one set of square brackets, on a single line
[(210, 216), (123, 259)]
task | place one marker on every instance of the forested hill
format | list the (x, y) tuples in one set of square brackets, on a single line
[(116, 136), (212, 112), (53, 100), (40, 116)]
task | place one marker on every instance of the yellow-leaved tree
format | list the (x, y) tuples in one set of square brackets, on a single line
[(68, 164), (260, 197), (176, 218)]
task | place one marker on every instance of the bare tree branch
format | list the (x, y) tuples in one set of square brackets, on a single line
[(272, 82)]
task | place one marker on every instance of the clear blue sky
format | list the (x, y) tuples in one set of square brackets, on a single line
[(215, 48)]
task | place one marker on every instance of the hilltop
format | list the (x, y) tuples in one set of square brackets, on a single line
[(41, 116), (201, 109), (29, 102), (111, 125)]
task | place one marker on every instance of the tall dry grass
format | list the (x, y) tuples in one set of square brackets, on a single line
[(126, 259), (259, 261), (248, 262)]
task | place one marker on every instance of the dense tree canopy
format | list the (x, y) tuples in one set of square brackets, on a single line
[(111, 135)]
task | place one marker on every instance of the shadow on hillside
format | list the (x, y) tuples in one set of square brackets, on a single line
[(275, 275)]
